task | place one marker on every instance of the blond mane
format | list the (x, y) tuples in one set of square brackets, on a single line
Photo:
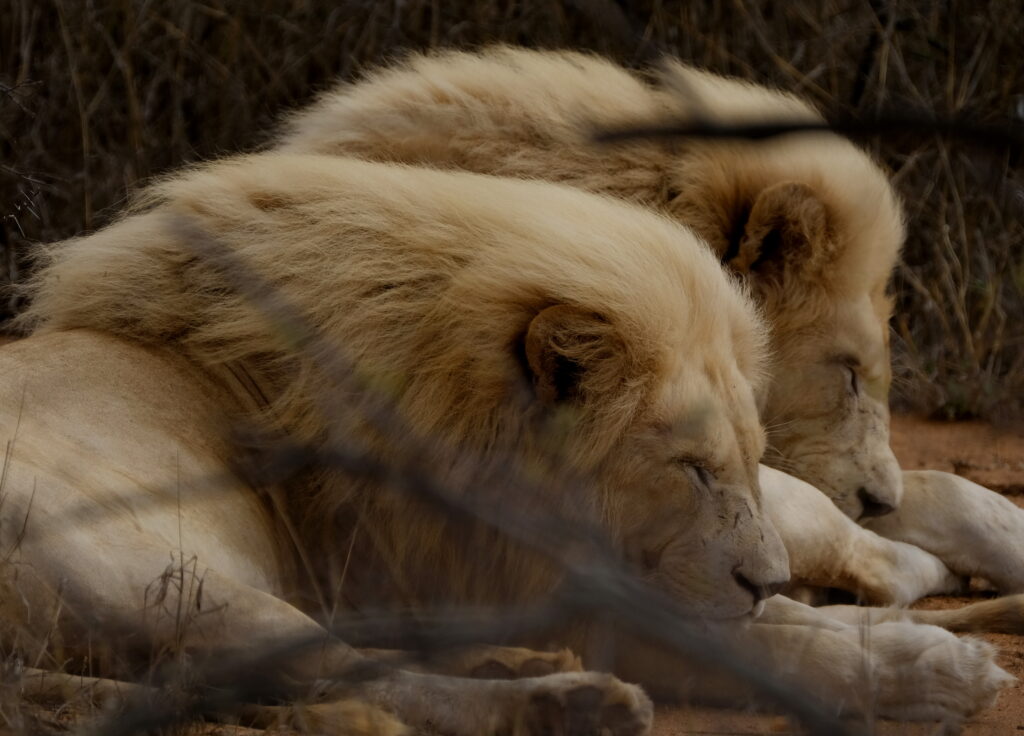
[(426, 281), (519, 113)]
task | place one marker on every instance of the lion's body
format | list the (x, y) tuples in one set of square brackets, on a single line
[(115, 475), (129, 542), (428, 282), (447, 324), (481, 309), (812, 220)]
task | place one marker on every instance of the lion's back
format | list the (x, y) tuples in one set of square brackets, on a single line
[(414, 272)]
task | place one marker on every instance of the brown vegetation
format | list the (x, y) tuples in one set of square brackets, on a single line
[(95, 97)]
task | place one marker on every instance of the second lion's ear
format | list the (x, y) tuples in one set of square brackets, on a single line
[(787, 231), (572, 354)]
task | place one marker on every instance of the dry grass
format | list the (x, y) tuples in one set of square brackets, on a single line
[(98, 96)]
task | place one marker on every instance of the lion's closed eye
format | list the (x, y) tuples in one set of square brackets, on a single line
[(853, 381), (697, 471), (850, 367)]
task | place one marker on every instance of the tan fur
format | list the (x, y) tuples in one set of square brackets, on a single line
[(811, 219), (128, 541), (974, 531), (341, 718), (434, 284), (450, 291)]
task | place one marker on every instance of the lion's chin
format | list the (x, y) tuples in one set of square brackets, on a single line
[(748, 616)]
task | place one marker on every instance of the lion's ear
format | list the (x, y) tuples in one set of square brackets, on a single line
[(573, 353), (787, 234)]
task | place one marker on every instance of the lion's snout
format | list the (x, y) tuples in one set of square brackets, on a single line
[(765, 571), (873, 503), (759, 590)]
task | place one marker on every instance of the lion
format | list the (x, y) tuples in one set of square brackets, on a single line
[(818, 250), (810, 222), (450, 293), (500, 318)]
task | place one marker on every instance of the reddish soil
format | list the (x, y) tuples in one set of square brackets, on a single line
[(991, 456)]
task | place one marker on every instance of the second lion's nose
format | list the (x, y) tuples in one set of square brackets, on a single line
[(760, 591), (873, 505)]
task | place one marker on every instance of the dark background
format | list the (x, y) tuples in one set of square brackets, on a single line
[(98, 95)]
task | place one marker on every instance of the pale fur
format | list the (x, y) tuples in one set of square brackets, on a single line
[(428, 282), (133, 436), (827, 549), (529, 114), (974, 531), (129, 542), (129, 442)]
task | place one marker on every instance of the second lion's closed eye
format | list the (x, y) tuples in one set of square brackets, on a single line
[(853, 381), (698, 472)]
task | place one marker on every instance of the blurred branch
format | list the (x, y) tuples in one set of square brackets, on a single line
[(596, 582), (1001, 136), (171, 83)]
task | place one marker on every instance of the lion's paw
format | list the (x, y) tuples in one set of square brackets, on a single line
[(926, 673), (512, 663), (585, 704), (343, 718)]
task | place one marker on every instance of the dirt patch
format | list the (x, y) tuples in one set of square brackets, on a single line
[(990, 455)]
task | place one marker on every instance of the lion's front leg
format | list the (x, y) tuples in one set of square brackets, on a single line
[(486, 662), (568, 703), (399, 703), (1004, 615), (973, 530), (827, 549), (899, 670)]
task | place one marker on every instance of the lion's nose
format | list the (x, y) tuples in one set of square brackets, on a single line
[(760, 590), (872, 504)]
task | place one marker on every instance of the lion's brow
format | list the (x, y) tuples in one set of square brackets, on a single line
[(848, 359)]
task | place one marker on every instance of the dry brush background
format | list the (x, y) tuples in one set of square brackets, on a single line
[(96, 96)]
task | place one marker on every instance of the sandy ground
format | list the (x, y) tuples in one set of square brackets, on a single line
[(992, 456)]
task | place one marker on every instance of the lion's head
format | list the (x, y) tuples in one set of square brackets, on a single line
[(814, 227), (672, 439), (530, 114)]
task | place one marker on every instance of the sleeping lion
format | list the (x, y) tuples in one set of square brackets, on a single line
[(491, 329), (484, 312), (810, 222)]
